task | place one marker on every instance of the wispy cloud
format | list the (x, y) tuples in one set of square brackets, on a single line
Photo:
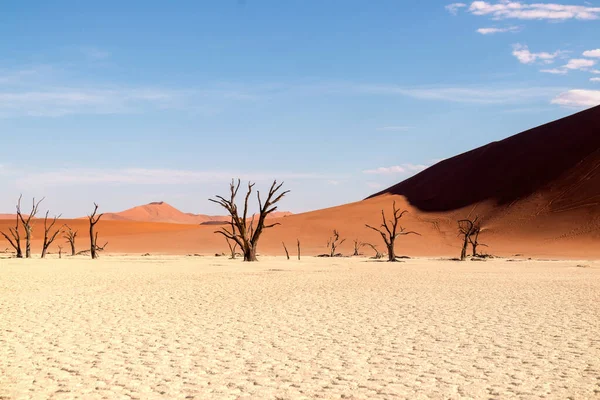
[(507, 9), (394, 128), (145, 176), (44, 91), (578, 98), (597, 80), (23, 75), (522, 53), (592, 53), (93, 53), (374, 185), (491, 31), (555, 71), (454, 7), (396, 169), (58, 102), (466, 94), (51, 93)]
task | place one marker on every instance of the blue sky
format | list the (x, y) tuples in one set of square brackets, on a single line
[(124, 103)]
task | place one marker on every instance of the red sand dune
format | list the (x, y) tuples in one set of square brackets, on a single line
[(159, 212), (162, 212), (538, 194)]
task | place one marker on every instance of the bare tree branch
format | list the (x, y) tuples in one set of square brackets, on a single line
[(27, 224), (246, 233), (334, 242), (49, 238), (15, 238), (286, 250), (94, 218), (71, 235), (390, 230)]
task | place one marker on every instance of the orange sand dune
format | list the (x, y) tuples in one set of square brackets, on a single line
[(537, 193), (163, 212), (160, 212)]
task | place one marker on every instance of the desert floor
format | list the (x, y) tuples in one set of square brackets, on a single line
[(206, 327)]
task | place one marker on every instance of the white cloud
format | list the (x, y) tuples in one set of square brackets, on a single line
[(394, 128), (491, 31), (454, 7), (374, 185), (522, 53), (507, 9), (579, 63), (556, 71), (574, 64), (595, 80), (396, 169), (592, 53), (595, 71), (578, 98)]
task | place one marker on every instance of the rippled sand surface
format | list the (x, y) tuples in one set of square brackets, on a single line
[(204, 327)]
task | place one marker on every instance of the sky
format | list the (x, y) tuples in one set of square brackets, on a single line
[(125, 103)]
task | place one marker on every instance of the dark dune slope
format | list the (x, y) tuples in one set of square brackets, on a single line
[(558, 161)]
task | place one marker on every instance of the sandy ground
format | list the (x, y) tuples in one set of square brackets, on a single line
[(200, 327)]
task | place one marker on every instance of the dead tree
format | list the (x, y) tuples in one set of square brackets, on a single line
[(357, 245), (232, 244), (15, 238), (466, 229), (232, 247), (287, 254), (27, 225), (70, 235), (48, 237), (94, 236), (390, 230), (378, 254), (60, 251), (245, 234), (298, 240), (334, 242)]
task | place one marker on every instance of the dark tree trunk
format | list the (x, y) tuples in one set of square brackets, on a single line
[(287, 254), (250, 253), (49, 238), (93, 218), (475, 242), (391, 252), (463, 253), (27, 242), (27, 224), (72, 247), (92, 243)]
